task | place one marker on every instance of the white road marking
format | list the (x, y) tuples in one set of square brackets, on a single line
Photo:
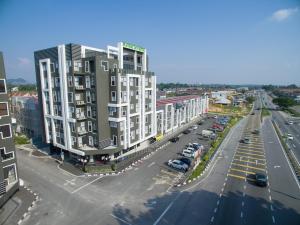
[(242, 214), (270, 198), (245, 187), (218, 202), (269, 190), (78, 189), (224, 184), (243, 203), (244, 194), (273, 219), (276, 167), (151, 164), (216, 209), (118, 218), (167, 209), (212, 219), (222, 190), (271, 208)]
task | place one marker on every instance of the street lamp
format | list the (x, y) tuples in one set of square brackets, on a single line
[(84, 161)]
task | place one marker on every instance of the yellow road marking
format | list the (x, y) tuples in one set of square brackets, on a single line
[(246, 153), (249, 157), (248, 150), (263, 164), (169, 173), (236, 176), (243, 171), (251, 167)]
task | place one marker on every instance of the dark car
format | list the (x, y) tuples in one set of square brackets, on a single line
[(245, 141), (186, 161), (174, 139), (261, 179), (186, 132), (200, 122), (253, 113), (256, 131)]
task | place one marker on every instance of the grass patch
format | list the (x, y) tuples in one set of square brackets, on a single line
[(214, 146), (264, 112), (98, 169), (21, 140), (292, 112)]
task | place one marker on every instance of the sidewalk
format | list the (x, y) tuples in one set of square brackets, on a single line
[(15, 208)]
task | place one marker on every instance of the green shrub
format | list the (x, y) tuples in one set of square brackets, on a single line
[(21, 140)]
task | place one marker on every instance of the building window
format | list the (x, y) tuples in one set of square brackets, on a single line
[(146, 118), (113, 124), (113, 96), (136, 82), (113, 80), (89, 111), (57, 82), (123, 111), (131, 81), (91, 141), (87, 82), (105, 65), (90, 126), (52, 67), (6, 156), (5, 131), (2, 86), (131, 93), (10, 173), (88, 97), (131, 106), (70, 81), (137, 119), (115, 140), (72, 127), (87, 66), (70, 97), (112, 110), (4, 109), (132, 135), (122, 139)]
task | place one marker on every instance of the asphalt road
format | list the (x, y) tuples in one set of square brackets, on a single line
[(145, 194), (293, 129)]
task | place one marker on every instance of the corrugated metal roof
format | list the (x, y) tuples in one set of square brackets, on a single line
[(176, 99)]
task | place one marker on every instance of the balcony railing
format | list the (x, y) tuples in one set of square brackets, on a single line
[(79, 87), (81, 131), (80, 116), (80, 102)]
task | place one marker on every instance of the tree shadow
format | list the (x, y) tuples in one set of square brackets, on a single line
[(198, 207)]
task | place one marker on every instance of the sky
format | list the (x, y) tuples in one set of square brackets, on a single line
[(226, 42)]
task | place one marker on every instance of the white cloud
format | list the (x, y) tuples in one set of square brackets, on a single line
[(283, 14), (22, 61)]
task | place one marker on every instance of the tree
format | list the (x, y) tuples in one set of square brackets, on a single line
[(284, 102), (250, 99)]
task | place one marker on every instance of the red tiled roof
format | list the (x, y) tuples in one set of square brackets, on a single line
[(173, 100)]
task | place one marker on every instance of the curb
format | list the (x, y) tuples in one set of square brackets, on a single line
[(32, 205)]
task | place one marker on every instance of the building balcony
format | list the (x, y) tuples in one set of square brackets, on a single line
[(79, 87), (80, 117), (80, 102), (81, 131)]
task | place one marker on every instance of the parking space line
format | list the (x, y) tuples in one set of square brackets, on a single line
[(169, 173), (242, 171), (250, 150), (250, 167), (78, 189)]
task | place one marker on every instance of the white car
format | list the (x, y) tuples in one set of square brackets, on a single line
[(290, 122), (289, 137), (177, 164), (189, 153), (195, 127)]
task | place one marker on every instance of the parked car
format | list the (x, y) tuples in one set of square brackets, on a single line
[(253, 113), (256, 131), (206, 133), (215, 117), (245, 141), (289, 137), (174, 139), (188, 153), (289, 122), (186, 131), (177, 164), (261, 179), (200, 122), (187, 161)]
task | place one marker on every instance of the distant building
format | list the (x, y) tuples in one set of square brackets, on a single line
[(173, 112), (161, 94), (26, 112), (9, 182)]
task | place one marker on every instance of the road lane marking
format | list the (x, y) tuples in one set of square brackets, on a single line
[(242, 171), (250, 150), (151, 164), (167, 209), (263, 164), (218, 202), (246, 153), (271, 207), (251, 167), (241, 214), (270, 198), (273, 219), (250, 157), (118, 218), (78, 189), (243, 203), (216, 209), (212, 219), (236, 176)]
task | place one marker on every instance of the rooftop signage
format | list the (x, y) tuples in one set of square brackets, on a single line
[(133, 47)]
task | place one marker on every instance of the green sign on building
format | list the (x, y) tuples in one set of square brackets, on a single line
[(133, 47)]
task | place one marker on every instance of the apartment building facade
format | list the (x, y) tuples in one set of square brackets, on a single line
[(174, 112), (9, 183), (96, 104)]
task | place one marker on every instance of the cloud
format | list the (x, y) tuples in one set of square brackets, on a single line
[(22, 61), (283, 14)]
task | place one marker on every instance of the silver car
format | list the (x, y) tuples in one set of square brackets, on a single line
[(177, 164)]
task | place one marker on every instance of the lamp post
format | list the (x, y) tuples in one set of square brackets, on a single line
[(84, 161)]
